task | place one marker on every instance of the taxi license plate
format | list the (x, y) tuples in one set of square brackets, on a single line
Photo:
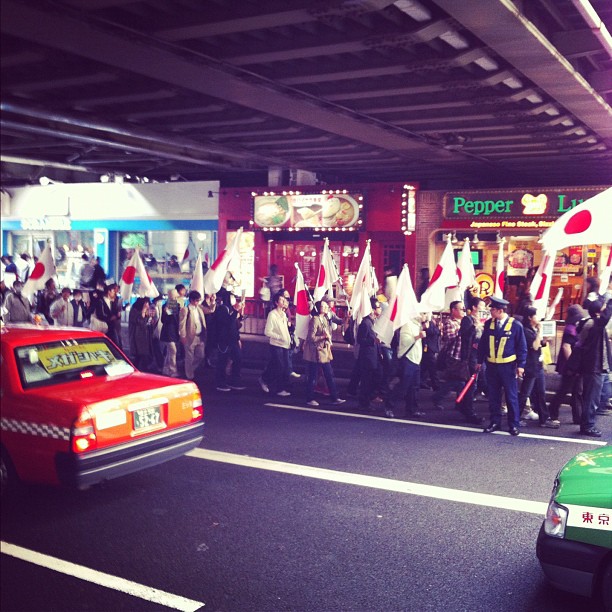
[(147, 417)]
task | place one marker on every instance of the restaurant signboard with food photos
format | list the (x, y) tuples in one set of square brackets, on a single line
[(328, 210)]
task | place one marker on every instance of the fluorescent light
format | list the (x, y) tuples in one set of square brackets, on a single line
[(486, 63), (512, 83), (552, 111), (455, 40), (567, 123), (413, 9), (580, 132), (535, 98)]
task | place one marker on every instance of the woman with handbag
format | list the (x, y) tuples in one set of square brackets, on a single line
[(318, 354)]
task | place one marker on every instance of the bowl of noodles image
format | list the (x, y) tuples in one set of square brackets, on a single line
[(271, 211), (340, 210)]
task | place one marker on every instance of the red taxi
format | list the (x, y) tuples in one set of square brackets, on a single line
[(75, 411)]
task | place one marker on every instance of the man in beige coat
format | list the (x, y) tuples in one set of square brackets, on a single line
[(192, 330)]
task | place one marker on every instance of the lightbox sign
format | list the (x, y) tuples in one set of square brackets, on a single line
[(329, 210), (527, 208)]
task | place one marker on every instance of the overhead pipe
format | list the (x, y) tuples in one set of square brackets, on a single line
[(34, 113)]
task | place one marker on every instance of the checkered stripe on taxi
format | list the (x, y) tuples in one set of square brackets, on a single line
[(35, 429)]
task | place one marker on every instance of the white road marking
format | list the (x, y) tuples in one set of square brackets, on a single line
[(169, 600), (477, 430), (375, 482)]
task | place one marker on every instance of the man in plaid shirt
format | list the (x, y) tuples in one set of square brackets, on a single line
[(450, 347)]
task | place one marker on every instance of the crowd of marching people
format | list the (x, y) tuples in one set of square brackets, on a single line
[(476, 351)]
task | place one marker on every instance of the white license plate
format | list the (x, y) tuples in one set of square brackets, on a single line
[(147, 417)]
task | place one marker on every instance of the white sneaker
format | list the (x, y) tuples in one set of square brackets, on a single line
[(312, 403), (504, 409), (338, 402), (532, 415), (295, 375), (283, 393), (263, 385)]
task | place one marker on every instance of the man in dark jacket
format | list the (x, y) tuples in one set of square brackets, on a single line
[(596, 362), (369, 358), (470, 332), (227, 321)]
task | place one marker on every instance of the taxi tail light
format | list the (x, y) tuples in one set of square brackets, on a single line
[(197, 410), (556, 520), (83, 435)]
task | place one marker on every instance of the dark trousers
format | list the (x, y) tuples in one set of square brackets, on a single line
[(312, 369), (502, 377), (276, 375), (232, 351), (429, 369), (534, 387), (571, 385), (410, 384), (368, 382), (592, 384)]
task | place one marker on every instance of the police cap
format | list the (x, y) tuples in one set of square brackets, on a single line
[(496, 302)]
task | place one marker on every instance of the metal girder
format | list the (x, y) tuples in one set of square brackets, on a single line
[(68, 34), (500, 25)]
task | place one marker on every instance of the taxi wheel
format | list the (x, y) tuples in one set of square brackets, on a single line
[(8, 476)]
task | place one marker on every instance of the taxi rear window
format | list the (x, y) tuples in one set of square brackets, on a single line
[(51, 363)]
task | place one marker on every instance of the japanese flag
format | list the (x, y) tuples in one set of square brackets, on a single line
[(445, 275), (302, 306), (190, 252), (136, 268), (467, 274), (500, 271), (362, 289), (197, 280), (328, 274), (540, 285), (587, 223), (42, 272), (213, 279), (402, 307), (604, 277)]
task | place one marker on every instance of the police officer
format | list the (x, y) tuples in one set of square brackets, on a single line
[(503, 346)]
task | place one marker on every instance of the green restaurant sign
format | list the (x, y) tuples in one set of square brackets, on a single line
[(532, 207)]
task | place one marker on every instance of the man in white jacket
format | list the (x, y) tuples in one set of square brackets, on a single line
[(275, 378), (61, 310)]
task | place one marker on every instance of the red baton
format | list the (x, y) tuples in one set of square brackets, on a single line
[(468, 384)]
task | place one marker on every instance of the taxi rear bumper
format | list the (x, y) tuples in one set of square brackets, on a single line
[(569, 565), (84, 470)]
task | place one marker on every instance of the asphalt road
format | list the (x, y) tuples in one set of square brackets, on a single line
[(287, 508)]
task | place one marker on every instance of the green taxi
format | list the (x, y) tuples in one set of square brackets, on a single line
[(575, 541)]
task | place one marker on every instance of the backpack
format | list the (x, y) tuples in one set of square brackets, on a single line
[(349, 333)]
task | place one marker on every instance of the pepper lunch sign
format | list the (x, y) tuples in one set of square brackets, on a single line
[(531, 207)]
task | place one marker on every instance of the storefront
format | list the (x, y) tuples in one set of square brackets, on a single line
[(287, 225), (518, 217), (164, 221)]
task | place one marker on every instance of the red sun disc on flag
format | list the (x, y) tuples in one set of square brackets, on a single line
[(394, 311), (38, 271), (436, 275), (321, 279), (217, 261), (129, 275), (579, 223), (301, 307)]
